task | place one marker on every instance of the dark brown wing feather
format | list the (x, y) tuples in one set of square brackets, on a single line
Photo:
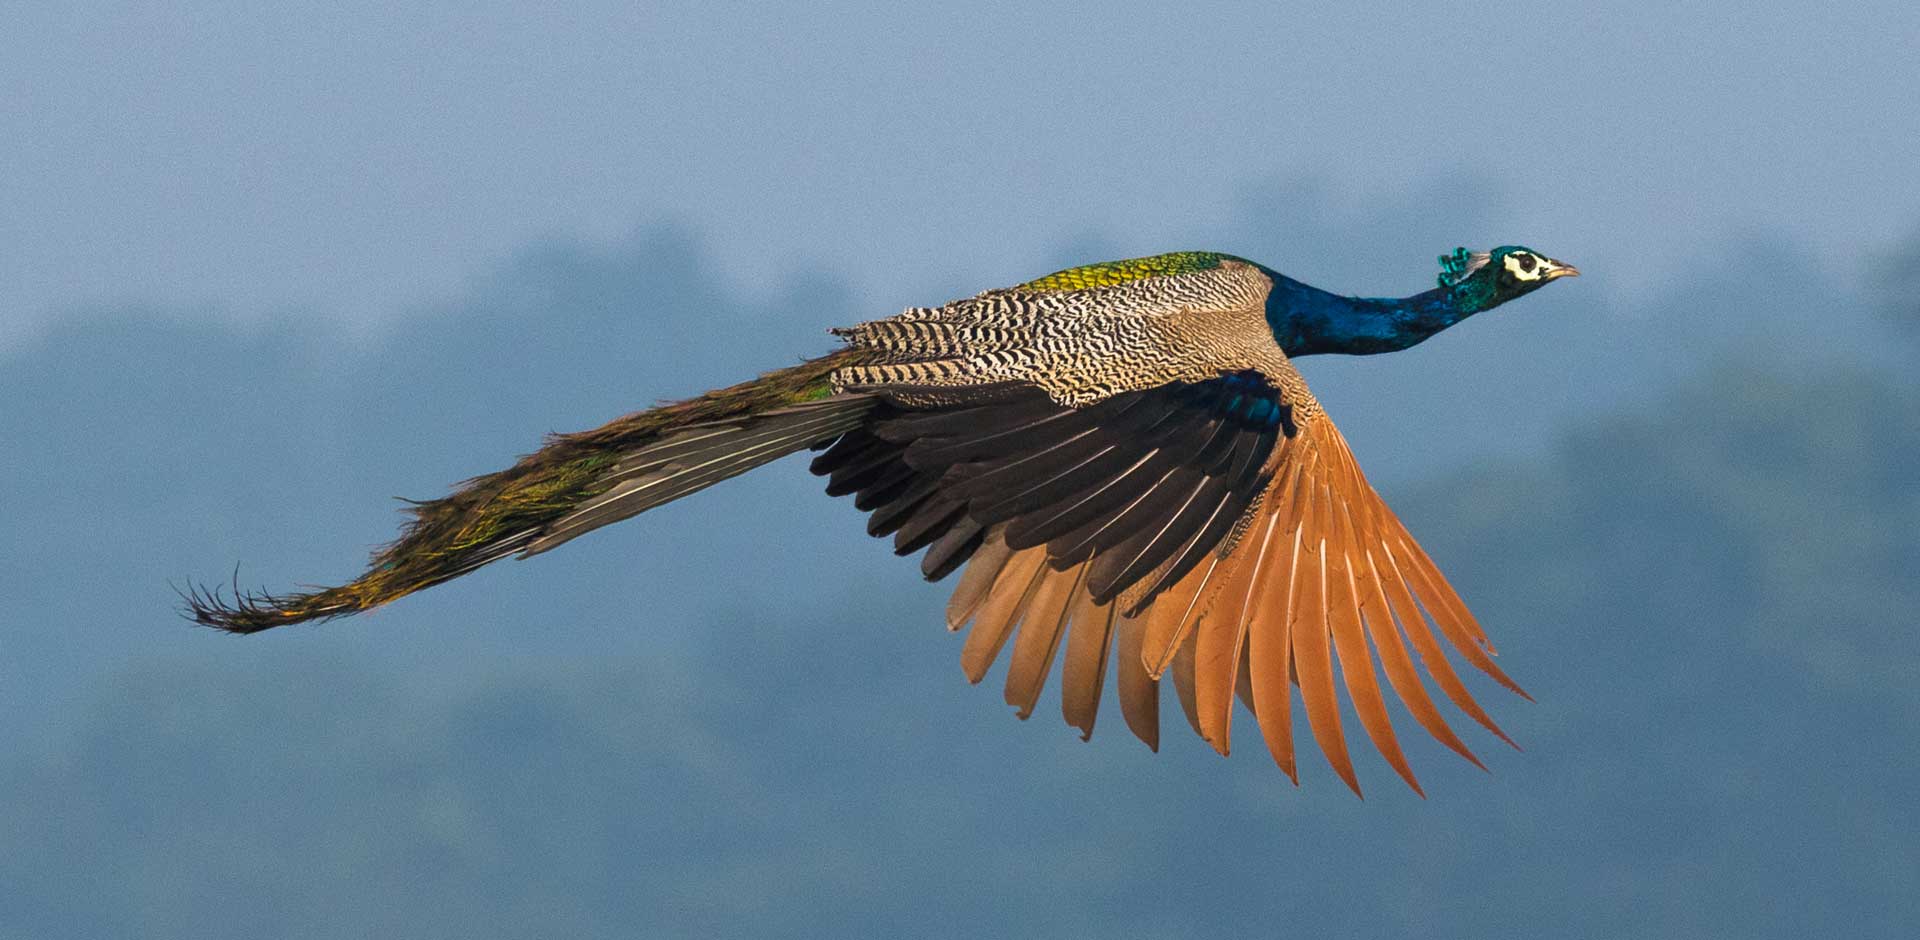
[(1141, 485)]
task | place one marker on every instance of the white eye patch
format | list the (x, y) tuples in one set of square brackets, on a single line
[(1524, 267)]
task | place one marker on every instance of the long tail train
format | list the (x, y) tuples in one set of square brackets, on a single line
[(572, 484)]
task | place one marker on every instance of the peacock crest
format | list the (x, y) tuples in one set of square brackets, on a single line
[(1460, 264)]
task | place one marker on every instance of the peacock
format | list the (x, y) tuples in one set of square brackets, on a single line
[(1121, 457)]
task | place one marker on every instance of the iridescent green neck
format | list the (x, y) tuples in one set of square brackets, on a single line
[(1308, 321)]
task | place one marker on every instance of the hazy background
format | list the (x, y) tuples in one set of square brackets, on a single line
[(262, 269)]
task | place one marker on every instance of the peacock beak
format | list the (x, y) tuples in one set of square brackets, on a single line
[(1558, 269)]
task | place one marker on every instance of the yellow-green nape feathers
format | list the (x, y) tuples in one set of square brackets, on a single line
[(1109, 273)]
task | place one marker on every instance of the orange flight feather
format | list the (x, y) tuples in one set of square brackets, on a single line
[(1084, 671), (1040, 628), (1139, 691), (1320, 583)]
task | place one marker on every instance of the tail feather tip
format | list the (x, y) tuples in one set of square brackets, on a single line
[(251, 612)]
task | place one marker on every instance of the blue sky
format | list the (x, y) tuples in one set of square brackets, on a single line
[(355, 161)]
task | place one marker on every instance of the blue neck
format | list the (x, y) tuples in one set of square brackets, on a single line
[(1308, 321)]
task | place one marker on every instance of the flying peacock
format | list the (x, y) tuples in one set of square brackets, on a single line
[(1122, 458)]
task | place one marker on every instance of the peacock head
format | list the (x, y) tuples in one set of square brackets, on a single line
[(1484, 279)]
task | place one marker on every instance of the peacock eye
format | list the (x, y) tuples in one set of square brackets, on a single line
[(1526, 263)]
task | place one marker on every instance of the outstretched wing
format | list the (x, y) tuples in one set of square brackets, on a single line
[(1323, 572), (1219, 530)]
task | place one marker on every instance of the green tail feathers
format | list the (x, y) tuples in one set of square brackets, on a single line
[(490, 517)]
